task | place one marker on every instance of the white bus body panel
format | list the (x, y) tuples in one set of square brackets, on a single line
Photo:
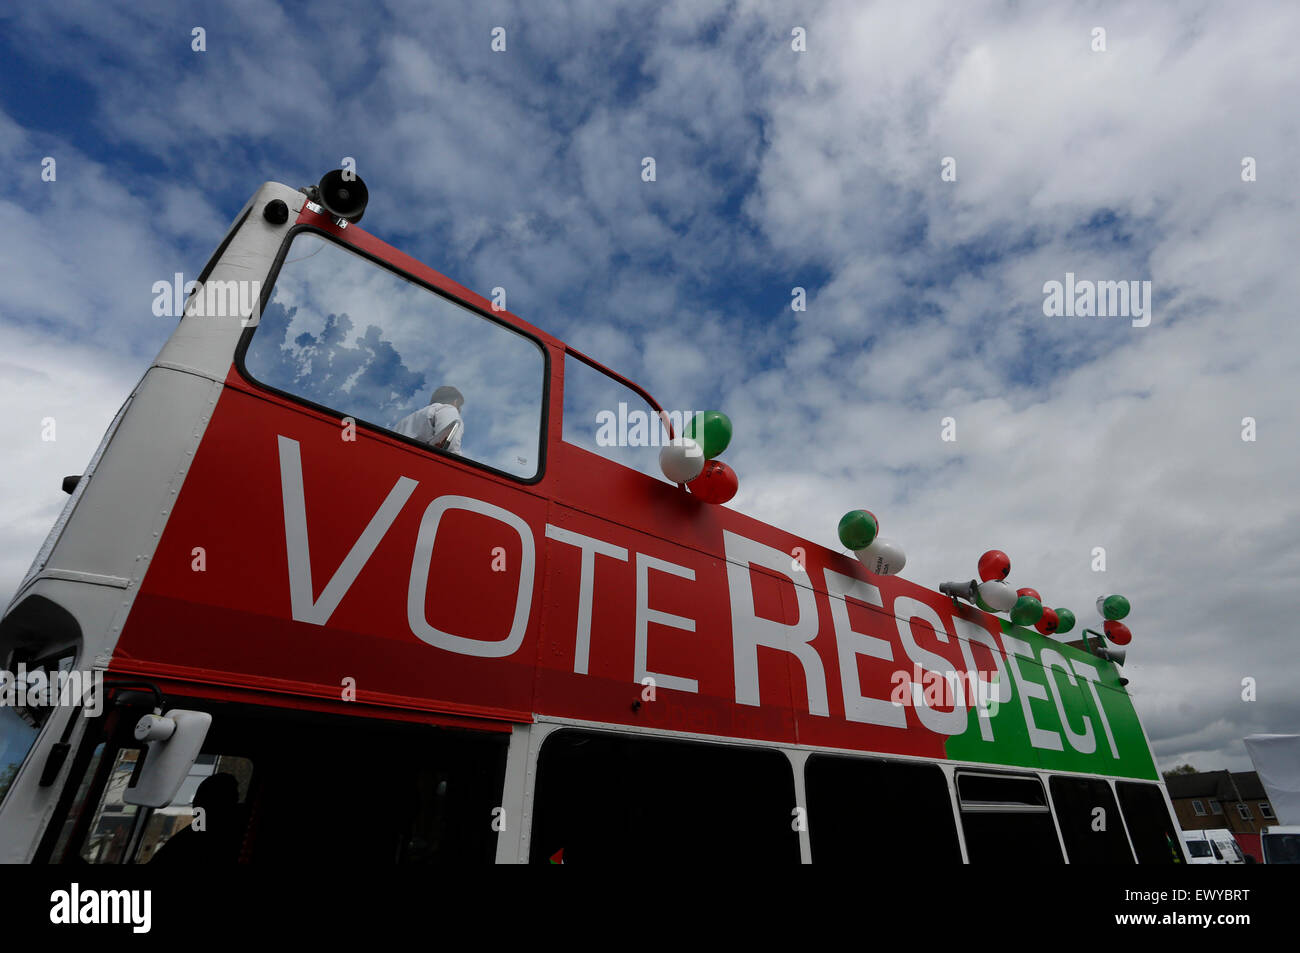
[(101, 547)]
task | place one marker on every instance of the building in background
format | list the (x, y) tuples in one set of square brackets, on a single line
[(1232, 799)]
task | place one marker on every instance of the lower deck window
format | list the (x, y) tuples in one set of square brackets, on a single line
[(863, 808), (604, 799), (1155, 837), (1007, 819), (283, 787), (1090, 823)]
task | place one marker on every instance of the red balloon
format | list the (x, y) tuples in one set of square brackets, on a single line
[(1117, 632), (995, 564), (1029, 592), (717, 483), (1048, 623)]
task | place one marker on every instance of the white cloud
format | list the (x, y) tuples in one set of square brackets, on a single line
[(76, 387)]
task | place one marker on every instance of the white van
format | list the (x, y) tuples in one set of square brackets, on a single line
[(1281, 845), (1213, 846), (1200, 850)]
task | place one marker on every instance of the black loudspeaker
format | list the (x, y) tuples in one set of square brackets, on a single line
[(343, 198)]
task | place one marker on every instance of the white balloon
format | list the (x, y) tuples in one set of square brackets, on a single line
[(682, 460), (883, 557), (998, 595)]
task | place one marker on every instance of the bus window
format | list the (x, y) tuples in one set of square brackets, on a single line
[(897, 811), (118, 831), (78, 805), (1090, 823), (113, 824), (166, 823), (359, 341), (21, 724), (407, 794), (16, 739), (333, 791), (1155, 837), (1006, 818), (608, 418), (604, 799)]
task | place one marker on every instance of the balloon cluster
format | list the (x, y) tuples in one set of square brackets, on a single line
[(1112, 609), (1025, 606), (689, 458), (859, 531)]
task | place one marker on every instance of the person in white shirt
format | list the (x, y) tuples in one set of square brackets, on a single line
[(439, 425)]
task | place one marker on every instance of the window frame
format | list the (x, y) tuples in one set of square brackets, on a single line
[(1216, 806), (1051, 782), (1243, 810), (1002, 807), (1199, 808), (610, 372), (531, 853), (592, 364), (51, 659), (91, 767), (819, 757), (1129, 793), (1266, 812), (272, 276), (1006, 808)]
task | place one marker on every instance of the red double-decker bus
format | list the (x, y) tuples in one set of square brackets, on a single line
[(344, 643)]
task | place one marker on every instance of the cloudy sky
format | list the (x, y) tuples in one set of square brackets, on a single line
[(776, 168)]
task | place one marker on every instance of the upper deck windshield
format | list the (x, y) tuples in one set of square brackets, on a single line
[(368, 344)]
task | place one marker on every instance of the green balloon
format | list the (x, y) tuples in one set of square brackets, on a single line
[(857, 529), (1027, 611), (1066, 622), (711, 430), (1115, 608)]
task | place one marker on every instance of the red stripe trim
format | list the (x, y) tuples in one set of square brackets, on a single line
[(283, 693)]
